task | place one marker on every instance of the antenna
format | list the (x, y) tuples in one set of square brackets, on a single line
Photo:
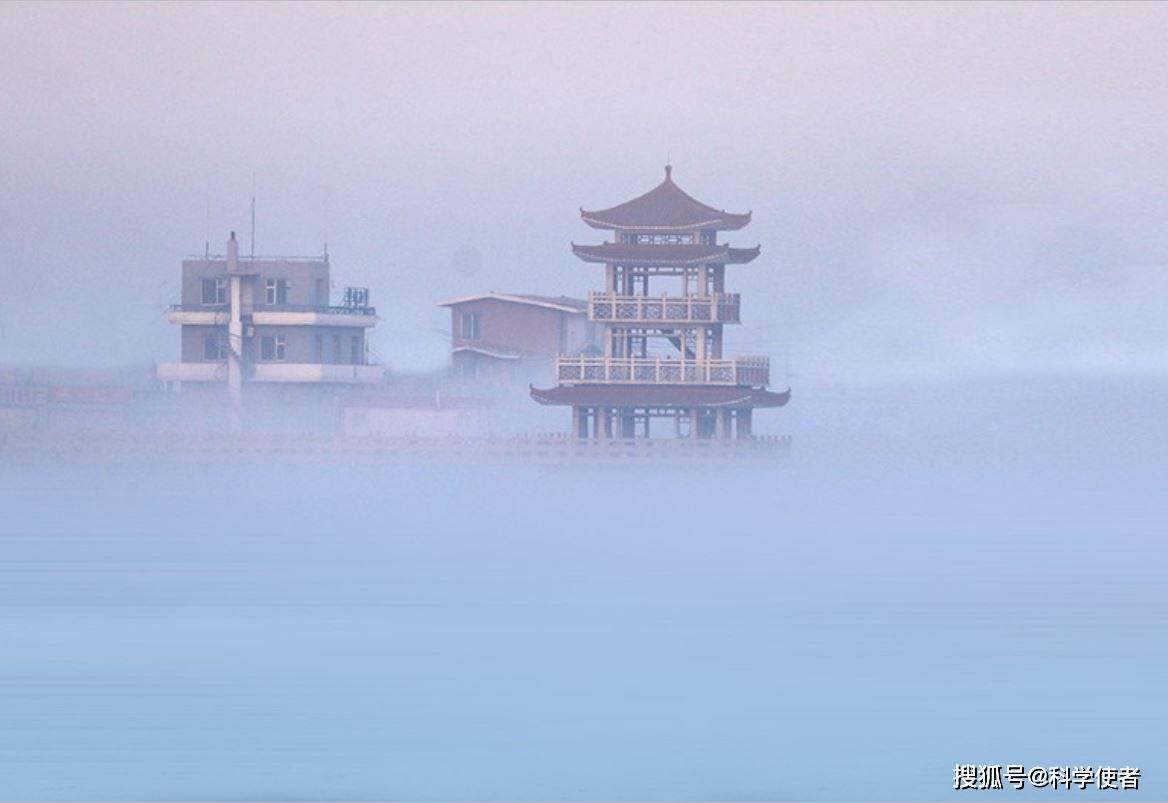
[(207, 230), (326, 218), (253, 176)]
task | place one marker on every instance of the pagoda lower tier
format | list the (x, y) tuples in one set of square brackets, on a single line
[(624, 410)]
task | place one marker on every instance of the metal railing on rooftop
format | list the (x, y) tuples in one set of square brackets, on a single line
[(321, 309)]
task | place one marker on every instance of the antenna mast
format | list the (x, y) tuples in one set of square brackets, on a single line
[(253, 176)]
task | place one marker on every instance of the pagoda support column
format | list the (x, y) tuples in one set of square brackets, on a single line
[(721, 423), (628, 424), (693, 422), (607, 413), (744, 416)]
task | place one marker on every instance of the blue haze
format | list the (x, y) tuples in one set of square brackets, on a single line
[(940, 574)]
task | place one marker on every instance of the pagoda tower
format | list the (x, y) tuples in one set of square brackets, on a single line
[(663, 344)]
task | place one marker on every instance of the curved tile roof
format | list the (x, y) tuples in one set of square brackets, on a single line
[(666, 207), (661, 396), (643, 254)]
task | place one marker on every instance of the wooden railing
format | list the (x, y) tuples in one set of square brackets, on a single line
[(753, 371), (612, 307)]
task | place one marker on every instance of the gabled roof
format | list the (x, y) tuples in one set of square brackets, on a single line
[(561, 303), (498, 352), (641, 254), (660, 396), (666, 207)]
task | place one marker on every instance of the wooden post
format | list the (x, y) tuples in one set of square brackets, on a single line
[(744, 415), (721, 423)]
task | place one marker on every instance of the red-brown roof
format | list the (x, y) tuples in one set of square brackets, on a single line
[(563, 303), (641, 254), (666, 207), (660, 396)]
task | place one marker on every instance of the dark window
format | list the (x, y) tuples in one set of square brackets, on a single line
[(214, 347), (355, 350), (318, 348), (276, 292), (471, 326), (337, 349), (272, 348), (214, 291)]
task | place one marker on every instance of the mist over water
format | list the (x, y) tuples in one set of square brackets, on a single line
[(938, 575), (961, 210)]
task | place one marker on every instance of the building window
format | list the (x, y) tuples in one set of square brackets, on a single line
[(337, 349), (471, 326), (318, 348), (272, 348), (214, 291), (709, 237), (276, 292), (214, 347), (354, 350)]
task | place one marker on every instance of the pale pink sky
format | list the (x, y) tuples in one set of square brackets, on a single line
[(934, 185)]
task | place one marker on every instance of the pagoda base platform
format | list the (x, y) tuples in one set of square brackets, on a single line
[(699, 412), (680, 397)]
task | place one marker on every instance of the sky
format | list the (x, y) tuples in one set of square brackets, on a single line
[(939, 190)]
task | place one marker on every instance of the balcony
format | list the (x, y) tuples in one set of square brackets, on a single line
[(648, 310), (305, 315), (192, 371), (753, 371), (272, 372), (200, 314), (315, 372), (275, 315)]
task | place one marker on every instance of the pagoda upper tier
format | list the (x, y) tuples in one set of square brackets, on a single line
[(665, 208), (640, 254)]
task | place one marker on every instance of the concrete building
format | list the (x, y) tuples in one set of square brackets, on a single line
[(508, 337), (268, 321)]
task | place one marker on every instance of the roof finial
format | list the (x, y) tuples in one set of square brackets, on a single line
[(668, 170)]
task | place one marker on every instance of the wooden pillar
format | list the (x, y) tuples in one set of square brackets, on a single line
[(721, 423), (744, 416), (693, 422), (677, 424), (579, 423), (628, 424), (607, 413)]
